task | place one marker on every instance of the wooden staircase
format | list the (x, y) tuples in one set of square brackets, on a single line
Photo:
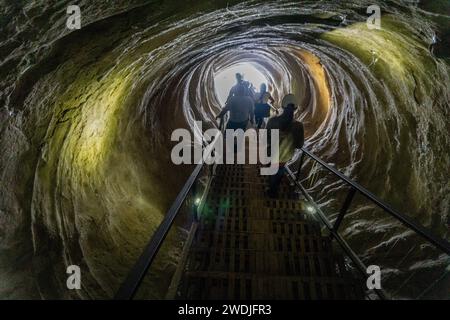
[(248, 246)]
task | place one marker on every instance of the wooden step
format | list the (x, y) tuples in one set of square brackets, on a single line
[(264, 262), (235, 286), (248, 246), (262, 241), (255, 225)]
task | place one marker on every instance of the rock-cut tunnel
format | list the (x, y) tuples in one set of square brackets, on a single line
[(86, 118)]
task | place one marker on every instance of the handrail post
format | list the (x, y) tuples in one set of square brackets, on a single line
[(437, 241), (345, 206), (137, 273), (302, 156)]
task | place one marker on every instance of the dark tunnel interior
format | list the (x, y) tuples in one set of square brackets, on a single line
[(86, 118)]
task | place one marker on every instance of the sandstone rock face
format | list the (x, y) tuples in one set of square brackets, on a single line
[(82, 181), (86, 119)]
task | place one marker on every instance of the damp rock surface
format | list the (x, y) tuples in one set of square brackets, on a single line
[(86, 118)]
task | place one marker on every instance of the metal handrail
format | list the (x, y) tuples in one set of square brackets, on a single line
[(334, 233), (438, 242), (131, 284)]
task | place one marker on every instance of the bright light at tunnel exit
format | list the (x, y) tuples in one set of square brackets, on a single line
[(225, 79)]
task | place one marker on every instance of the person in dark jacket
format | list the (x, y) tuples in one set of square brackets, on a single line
[(291, 135), (240, 82), (241, 108), (263, 104)]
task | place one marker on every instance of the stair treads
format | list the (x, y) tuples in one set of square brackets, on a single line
[(262, 241), (248, 246), (267, 262), (225, 286), (255, 225)]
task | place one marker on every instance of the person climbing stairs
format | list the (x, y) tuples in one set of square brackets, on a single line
[(242, 244), (248, 246)]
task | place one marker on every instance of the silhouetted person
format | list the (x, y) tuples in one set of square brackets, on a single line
[(291, 137), (241, 108), (240, 82), (262, 106)]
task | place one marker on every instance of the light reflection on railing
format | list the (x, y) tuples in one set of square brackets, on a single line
[(403, 267)]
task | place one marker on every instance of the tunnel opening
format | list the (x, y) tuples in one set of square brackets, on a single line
[(87, 137), (225, 79)]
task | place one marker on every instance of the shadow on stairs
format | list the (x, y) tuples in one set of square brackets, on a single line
[(248, 246)]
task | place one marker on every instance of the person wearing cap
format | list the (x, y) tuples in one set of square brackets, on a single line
[(291, 135)]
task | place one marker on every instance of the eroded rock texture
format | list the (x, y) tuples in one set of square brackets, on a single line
[(86, 118)]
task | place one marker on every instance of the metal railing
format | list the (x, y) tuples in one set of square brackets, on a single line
[(135, 277), (437, 242), (132, 282), (442, 244)]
